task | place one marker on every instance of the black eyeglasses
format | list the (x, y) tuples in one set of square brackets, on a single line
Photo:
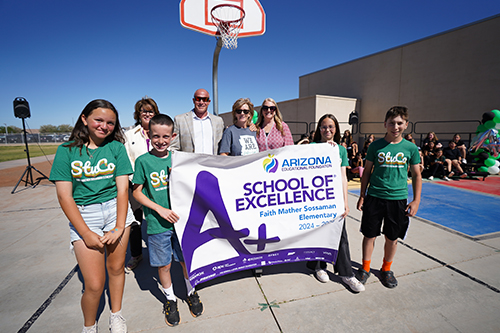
[(240, 111), (272, 108), (201, 99)]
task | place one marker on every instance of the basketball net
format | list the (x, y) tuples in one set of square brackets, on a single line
[(228, 19)]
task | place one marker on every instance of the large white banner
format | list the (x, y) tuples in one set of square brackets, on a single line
[(244, 212)]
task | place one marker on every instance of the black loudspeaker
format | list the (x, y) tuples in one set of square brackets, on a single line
[(353, 118), (21, 108)]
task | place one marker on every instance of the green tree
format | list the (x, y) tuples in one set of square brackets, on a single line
[(64, 128), (48, 129), (14, 129)]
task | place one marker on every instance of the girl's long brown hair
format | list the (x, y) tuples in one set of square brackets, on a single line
[(80, 134)]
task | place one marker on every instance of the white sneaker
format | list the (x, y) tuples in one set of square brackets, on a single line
[(446, 178), (117, 323), (353, 283), (431, 178), (464, 161), (91, 329), (322, 276)]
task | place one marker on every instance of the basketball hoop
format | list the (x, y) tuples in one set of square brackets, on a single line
[(228, 19)]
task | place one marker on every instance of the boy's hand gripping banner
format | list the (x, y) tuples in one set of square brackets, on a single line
[(244, 212)]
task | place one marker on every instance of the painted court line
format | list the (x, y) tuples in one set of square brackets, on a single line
[(467, 212), (47, 302)]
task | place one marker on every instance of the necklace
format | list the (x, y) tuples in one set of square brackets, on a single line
[(91, 153)]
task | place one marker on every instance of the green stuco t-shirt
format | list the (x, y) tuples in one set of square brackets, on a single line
[(153, 173), (91, 171), (390, 168)]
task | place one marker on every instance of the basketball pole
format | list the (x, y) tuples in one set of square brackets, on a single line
[(215, 75)]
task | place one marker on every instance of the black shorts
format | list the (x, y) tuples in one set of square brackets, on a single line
[(391, 211)]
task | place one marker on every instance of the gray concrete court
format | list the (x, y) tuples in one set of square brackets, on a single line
[(24, 162), (447, 283)]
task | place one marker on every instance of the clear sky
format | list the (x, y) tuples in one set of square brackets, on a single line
[(61, 54)]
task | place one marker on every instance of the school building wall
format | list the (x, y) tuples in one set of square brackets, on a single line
[(452, 76)]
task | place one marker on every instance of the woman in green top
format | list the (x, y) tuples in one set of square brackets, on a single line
[(328, 131), (91, 176)]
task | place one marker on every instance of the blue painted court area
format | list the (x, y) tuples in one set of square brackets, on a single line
[(468, 212)]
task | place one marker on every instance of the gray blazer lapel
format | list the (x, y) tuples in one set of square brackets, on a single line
[(189, 124)]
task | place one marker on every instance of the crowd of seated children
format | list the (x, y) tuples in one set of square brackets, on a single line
[(452, 157), (436, 161)]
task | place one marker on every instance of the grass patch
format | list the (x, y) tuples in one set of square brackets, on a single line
[(10, 153)]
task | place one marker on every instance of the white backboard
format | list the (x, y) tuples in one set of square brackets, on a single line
[(195, 15)]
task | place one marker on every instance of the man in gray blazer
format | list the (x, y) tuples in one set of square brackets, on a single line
[(197, 130)]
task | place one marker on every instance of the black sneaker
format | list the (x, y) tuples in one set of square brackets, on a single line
[(388, 279), (172, 316), (195, 306), (362, 275)]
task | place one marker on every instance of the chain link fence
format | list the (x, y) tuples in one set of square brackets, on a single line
[(17, 138)]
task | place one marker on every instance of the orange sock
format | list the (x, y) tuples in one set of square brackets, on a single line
[(386, 266), (366, 265)]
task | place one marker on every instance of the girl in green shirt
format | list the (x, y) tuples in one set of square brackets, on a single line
[(328, 131), (91, 176)]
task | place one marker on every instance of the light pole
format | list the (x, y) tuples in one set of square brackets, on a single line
[(6, 129)]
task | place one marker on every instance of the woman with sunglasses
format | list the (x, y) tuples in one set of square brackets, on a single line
[(238, 139), (272, 132)]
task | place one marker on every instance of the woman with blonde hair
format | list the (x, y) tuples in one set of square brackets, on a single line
[(238, 139), (272, 132)]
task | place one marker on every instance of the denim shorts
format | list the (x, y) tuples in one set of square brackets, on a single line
[(100, 218), (162, 246)]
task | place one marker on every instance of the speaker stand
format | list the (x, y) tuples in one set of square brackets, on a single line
[(28, 171)]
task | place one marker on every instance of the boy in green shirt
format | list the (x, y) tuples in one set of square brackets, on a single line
[(151, 186), (387, 162)]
